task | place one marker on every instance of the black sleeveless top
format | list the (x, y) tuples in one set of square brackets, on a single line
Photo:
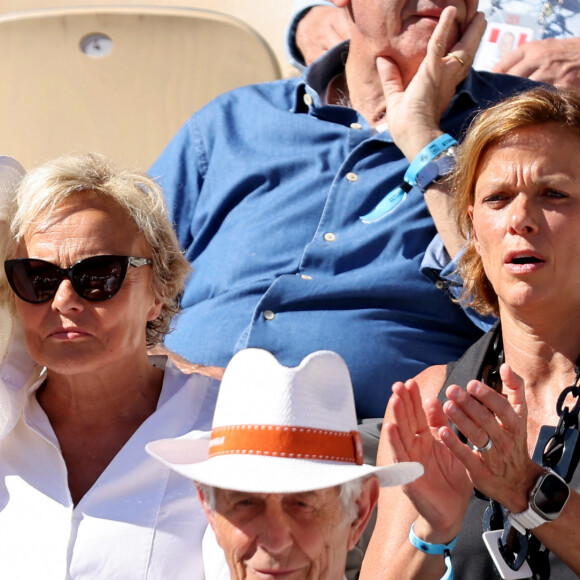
[(471, 560)]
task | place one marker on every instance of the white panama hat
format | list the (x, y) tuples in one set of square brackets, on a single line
[(280, 429)]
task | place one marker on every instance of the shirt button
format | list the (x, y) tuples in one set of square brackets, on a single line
[(308, 99), (329, 237), (306, 277), (355, 126), (440, 285), (352, 176), (269, 315)]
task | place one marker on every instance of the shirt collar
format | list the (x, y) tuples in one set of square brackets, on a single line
[(332, 63), (474, 87), (311, 88)]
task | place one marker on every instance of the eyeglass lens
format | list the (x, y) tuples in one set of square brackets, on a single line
[(96, 278)]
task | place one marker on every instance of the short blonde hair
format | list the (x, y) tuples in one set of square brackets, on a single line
[(47, 187), (493, 126)]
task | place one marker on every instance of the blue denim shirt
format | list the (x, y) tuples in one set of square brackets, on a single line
[(266, 186)]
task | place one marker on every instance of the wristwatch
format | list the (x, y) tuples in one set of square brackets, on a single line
[(437, 168), (547, 500)]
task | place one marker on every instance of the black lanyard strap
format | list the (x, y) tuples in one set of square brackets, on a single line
[(557, 448)]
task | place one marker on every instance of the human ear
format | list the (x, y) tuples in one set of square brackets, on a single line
[(365, 503), (155, 309), (209, 514)]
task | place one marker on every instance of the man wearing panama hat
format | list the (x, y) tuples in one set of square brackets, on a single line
[(281, 477)]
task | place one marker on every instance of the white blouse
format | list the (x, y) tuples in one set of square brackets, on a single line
[(139, 520)]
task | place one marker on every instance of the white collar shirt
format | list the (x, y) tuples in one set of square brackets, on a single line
[(138, 521)]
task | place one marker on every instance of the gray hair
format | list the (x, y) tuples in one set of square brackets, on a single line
[(348, 495), (47, 187)]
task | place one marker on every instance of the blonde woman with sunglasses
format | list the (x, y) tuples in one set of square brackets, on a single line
[(92, 273)]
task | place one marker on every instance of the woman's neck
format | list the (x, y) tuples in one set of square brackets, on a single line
[(93, 417), (544, 355)]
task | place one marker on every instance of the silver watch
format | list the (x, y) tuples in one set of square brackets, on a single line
[(439, 167), (546, 502)]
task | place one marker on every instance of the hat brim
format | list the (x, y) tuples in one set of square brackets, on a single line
[(263, 474)]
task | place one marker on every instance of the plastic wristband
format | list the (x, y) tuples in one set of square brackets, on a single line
[(437, 549), (423, 159), (426, 155)]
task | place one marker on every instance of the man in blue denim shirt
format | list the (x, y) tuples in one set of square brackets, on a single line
[(267, 186)]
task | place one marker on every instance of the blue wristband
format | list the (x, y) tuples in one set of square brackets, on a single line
[(397, 195), (426, 155), (437, 549)]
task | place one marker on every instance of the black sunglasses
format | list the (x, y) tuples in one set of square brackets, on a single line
[(96, 278)]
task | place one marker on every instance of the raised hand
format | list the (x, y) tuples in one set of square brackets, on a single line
[(421, 102), (442, 494), (496, 424), (552, 60)]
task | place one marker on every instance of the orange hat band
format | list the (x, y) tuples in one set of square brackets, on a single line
[(287, 442)]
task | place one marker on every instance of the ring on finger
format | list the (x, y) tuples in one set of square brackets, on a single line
[(456, 57), (485, 448)]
